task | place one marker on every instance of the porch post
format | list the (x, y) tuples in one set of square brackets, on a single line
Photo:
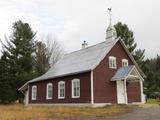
[(125, 92), (142, 96)]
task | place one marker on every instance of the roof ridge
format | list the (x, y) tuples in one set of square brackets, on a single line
[(89, 47)]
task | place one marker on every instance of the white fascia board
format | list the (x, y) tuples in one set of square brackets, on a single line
[(131, 57)]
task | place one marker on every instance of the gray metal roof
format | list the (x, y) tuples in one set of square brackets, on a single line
[(85, 60), (79, 61), (122, 73)]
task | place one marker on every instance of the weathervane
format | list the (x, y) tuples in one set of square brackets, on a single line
[(110, 9)]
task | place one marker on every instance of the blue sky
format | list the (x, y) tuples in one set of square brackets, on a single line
[(73, 21)]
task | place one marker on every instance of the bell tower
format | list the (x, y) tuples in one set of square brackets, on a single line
[(111, 31)]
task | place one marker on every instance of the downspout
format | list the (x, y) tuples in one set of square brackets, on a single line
[(92, 89)]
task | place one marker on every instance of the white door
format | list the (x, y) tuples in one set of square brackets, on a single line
[(120, 92)]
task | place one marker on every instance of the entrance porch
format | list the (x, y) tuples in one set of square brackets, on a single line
[(129, 85)]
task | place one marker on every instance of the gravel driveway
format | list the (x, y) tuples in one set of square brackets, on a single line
[(139, 113)]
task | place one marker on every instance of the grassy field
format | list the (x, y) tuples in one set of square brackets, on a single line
[(20, 112), (153, 101)]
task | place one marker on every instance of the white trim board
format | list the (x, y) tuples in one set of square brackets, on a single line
[(92, 88), (70, 104)]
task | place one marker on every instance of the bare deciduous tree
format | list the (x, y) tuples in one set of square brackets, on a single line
[(54, 50), (48, 52)]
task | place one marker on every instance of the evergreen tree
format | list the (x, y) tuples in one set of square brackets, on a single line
[(20, 51), (158, 63), (42, 59), (128, 37), (7, 85), (152, 82), (139, 57)]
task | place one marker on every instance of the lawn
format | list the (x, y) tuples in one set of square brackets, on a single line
[(153, 101), (20, 112)]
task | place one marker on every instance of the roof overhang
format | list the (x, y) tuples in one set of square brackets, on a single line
[(25, 86), (130, 74), (132, 58)]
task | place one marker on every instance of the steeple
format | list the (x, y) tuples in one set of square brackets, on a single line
[(111, 31)]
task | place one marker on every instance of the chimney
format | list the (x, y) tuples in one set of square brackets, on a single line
[(84, 44)]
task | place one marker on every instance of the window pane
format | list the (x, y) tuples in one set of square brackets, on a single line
[(49, 91), (76, 88), (61, 90), (34, 92)]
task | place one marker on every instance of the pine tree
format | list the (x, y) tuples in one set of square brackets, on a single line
[(20, 50), (152, 81), (128, 37), (158, 63), (139, 57), (42, 60), (7, 85)]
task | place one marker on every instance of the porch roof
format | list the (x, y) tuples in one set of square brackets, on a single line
[(123, 73)]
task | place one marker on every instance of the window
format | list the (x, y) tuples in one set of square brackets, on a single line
[(124, 62), (75, 88), (61, 90), (112, 62), (34, 92), (49, 91)]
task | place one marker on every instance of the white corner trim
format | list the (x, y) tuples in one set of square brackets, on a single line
[(92, 88), (125, 91), (26, 96), (141, 87)]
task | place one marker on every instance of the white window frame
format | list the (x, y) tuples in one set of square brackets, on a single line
[(59, 90), (77, 82), (124, 62), (47, 91), (34, 92), (112, 60)]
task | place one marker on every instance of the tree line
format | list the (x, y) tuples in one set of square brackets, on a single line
[(24, 58), (150, 67)]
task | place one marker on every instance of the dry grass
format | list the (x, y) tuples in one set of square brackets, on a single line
[(19, 112), (153, 101)]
